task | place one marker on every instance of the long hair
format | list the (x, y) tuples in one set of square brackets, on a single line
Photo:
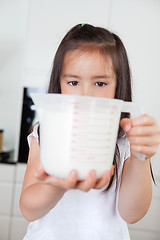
[(89, 38)]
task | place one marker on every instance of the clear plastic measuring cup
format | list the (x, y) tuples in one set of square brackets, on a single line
[(78, 132)]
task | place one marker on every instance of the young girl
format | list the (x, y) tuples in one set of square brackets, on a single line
[(92, 61)]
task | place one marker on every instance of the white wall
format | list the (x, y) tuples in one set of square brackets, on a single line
[(136, 22), (13, 15), (48, 23)]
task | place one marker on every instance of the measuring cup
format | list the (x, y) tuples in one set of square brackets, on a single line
[(78, 132)]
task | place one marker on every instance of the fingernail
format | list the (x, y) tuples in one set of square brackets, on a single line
[(93, 174), (127, 127), (72, 173), (107, 174)]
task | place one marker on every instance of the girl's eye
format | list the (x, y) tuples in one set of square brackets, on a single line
[(73, 83), (100, 84)]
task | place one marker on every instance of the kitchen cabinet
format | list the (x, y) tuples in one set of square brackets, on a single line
[(12, 224)]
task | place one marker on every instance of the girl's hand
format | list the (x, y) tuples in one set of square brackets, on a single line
[(143, 134), (71, 182)]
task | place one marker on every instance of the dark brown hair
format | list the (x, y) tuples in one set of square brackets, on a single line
[(89, 38)]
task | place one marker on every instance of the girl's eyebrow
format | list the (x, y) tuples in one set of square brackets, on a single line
[(94, 77), (101, 76), (70, 76)]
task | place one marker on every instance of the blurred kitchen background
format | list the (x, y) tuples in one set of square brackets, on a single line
[(30, 31)]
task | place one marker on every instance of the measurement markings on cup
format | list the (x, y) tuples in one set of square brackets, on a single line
[(79, 139), (84, 133)]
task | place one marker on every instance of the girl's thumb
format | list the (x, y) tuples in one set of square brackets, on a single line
[(39, 171), (126, 124)]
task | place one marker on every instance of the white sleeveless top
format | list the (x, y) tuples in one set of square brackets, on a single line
[(79, 215)]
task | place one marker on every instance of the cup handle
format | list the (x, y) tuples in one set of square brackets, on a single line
[(135, 111)]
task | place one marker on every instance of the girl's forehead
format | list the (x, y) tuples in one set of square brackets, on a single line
[(87, 62), (95, 54)]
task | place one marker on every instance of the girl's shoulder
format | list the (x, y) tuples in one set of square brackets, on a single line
[(124, 147), (34, 134)]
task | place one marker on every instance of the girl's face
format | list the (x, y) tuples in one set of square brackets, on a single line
[(88, 74)]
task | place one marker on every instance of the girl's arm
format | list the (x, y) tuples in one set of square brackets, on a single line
[(37, 198), (136, 186), (136, 190), (41, 192)]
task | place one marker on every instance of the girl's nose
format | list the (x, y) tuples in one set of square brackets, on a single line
[(86, 91)]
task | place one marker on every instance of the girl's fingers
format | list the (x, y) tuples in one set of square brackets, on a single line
[(104, 180), (88, 183), (62, 183), (144, 120), (146, 150), (144, 141), (144, 131), (126, 124), (72, 181), (143, 125)]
